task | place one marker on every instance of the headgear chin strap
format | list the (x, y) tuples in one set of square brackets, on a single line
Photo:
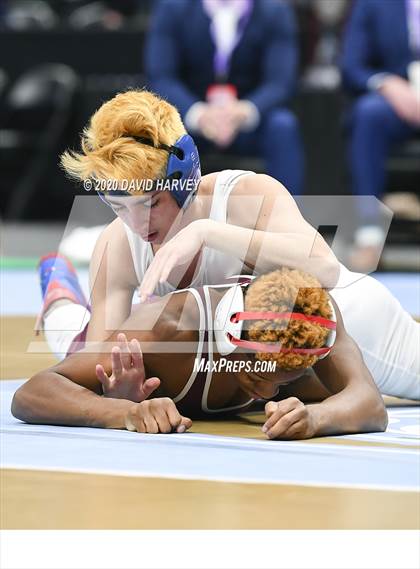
[(277, 348)]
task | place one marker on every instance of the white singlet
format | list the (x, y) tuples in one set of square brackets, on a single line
[(215, 266), (388, 337)]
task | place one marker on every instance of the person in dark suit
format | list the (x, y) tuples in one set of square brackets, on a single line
[(229, 66), (381, 67)]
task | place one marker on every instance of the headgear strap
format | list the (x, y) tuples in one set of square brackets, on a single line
[(161, 146), (276, 348)]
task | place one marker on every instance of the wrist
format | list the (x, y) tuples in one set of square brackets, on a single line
[(316, 419), (110, 413), (128, 418)]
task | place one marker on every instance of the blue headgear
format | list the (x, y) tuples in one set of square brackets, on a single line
[(183, 165)]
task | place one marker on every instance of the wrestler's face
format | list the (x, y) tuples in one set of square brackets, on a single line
[(267, 385), (151, 216)]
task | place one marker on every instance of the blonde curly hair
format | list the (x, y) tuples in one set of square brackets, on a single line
[(107, 150), (288, 290)]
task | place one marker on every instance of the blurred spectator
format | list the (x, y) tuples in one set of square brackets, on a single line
[(30, 14), (321, 23), (230, 68), (106, 14), (95, 15), (79, 14), (381, 66)]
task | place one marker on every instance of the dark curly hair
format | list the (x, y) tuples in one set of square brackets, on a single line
[(288, 290)]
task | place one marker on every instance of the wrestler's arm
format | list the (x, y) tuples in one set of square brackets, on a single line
[(354, 404), (70, 394), (112, 282), (265, 226)]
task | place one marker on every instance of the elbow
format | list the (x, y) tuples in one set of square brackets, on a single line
[(378, 416), (328, 269), (18, 407), (23, 403), (382, 417), (325, 262), (332, 272)]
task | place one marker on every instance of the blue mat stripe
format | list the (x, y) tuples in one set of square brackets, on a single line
[(204, 457)]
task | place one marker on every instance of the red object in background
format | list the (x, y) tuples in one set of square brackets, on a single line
[(221, 94)]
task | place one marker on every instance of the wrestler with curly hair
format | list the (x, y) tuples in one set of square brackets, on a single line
[(320, 384)]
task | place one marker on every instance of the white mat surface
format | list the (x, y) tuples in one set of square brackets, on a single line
[(202, 457)]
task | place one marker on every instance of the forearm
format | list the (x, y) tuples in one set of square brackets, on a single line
[(349, 412), (266, 251), (51, 398)]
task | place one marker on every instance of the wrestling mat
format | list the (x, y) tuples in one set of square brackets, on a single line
[(383, 461), (220, 475)]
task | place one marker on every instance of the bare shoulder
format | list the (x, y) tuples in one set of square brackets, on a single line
[(113, 238), (261, 184), (259, 200), (112, 248), (207, 184)]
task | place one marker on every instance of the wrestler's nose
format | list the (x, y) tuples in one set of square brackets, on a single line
[(139, 219)]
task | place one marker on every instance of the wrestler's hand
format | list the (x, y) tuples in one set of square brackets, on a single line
[(128, 376), (288, 419), (156, 416), (179, 250)]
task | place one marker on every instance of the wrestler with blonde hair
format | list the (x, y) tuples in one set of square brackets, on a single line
[(228, 223), (109, 151)]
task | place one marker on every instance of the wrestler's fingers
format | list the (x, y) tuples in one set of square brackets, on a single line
[(186, 424), (295, 431), (116, 362), (167, 269), (151, 277), (102, 376), (280, 428), (150, 385), (150, 273), (178, 422), (125, 350), (135, 424), (147, 287), (162, 420), (270, 408), (136, 353), (154, 278), (282, 408), (151, 424)]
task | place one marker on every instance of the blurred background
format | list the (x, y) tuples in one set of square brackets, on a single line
[(60, 59)]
